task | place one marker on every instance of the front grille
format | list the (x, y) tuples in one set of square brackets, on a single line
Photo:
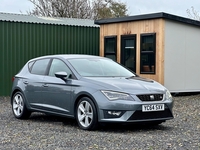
[(151, 97), (139, 115)]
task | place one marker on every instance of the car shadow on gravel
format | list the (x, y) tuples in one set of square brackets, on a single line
[(112, 127), (40, 117), (185, 94), (108, 127)]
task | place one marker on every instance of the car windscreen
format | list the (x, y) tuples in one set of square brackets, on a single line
[(97, 67)]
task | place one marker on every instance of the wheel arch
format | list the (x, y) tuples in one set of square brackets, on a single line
[(19, 90), (20, 109), (85, 94), (13, 93)]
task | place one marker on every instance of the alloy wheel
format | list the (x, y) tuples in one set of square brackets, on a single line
[(18, 105), (85, 114)]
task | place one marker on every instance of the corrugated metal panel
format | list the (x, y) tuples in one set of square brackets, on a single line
[(20, 42), (47, 20)]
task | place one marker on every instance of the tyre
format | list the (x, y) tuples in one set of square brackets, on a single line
[(86, 114), (19, 107)]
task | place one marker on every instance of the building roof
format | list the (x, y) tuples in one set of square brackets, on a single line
[(147, 17), (46, 20)]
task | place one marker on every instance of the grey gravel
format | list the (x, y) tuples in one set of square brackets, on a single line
[(55, 133)]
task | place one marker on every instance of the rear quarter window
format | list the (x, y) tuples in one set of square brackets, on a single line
[(30, 65), (40, 67)]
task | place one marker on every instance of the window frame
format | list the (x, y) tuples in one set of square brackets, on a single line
[(71, 76), (32, 65), (115, 46), (148, 52), (123, 37)]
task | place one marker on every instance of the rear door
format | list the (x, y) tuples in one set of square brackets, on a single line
[(34, 82)]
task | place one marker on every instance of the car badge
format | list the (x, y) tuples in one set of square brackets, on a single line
[(151, 97)]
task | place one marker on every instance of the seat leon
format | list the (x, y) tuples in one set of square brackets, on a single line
[(90, 89)]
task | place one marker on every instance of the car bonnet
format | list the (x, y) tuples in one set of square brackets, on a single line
[(132, 85)]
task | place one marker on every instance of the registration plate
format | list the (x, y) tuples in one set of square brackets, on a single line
[(155, 107)]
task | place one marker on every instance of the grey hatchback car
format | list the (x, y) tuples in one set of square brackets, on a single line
[(91, 89)]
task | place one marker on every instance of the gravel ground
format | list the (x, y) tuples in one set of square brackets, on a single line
[(55, 133)]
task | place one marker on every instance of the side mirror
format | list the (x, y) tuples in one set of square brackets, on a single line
[(62, 75)]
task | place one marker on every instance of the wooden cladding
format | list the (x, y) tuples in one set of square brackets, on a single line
[(138, 28)]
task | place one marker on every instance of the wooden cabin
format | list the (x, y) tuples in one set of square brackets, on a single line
[(159, 46)]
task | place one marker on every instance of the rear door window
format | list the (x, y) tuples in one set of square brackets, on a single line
[(40, 67)]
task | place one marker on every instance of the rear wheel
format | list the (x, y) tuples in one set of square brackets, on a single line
[(19, 107), (86, 114)]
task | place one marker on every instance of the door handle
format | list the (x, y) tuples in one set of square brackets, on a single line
[(25, 82), (45, 85)]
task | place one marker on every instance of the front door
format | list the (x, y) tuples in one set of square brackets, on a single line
[(57, 93), (128, 51)]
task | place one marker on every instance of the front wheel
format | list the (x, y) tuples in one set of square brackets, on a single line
[(19, 107), (86, 114)]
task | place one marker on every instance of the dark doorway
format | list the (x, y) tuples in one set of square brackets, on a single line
[(128, 51)]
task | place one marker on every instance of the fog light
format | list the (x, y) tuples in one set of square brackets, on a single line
[(113, 113)]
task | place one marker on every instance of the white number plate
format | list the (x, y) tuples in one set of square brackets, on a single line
[(156, 107)]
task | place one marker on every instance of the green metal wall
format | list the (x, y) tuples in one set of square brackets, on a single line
[(20, 42)]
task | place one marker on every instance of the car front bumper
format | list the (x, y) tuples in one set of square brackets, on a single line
[(131, 111)]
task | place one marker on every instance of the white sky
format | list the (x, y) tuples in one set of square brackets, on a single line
[(135, 7)]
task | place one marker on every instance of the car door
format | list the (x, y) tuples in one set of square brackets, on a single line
[(34, 82), (57, 92)]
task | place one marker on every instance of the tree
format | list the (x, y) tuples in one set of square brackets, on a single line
[(61, 8), (108, 9), (85, 9), (193, 14)]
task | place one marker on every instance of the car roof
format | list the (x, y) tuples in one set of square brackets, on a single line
[(68, 56)]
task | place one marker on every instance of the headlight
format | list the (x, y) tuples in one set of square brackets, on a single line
[(168, 95), (116, 95)]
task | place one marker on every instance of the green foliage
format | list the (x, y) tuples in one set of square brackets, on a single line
[(118, 9), (109, 9)]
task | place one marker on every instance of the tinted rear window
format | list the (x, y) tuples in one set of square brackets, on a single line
[(30, 65), (40, 66)]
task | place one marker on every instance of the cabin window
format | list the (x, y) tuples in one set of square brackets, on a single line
[(128, 51), (148, 53), (110, 47)]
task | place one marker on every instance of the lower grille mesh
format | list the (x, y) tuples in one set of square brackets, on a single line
[(139, 115)]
